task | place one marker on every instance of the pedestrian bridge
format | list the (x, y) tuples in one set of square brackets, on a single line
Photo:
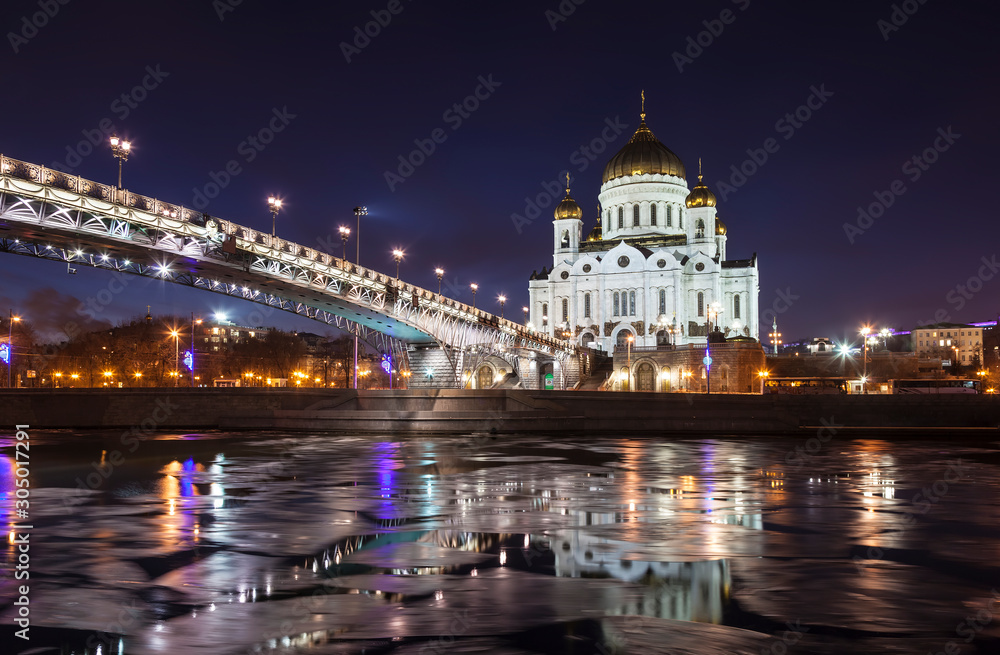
[(442, 342)]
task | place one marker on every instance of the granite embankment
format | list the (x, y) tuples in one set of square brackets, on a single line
[(495, 411)]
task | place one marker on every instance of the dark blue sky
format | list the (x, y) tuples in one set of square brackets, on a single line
[(553, 87)]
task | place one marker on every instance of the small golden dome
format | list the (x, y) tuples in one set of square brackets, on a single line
[(700, 196), (643, 154), (597, 233), (720, 227), (568, 207)]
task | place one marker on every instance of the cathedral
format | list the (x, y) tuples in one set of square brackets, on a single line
[(654, 271)]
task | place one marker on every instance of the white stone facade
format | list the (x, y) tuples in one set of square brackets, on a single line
[(656, 273)]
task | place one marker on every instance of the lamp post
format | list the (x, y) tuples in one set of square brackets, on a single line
[(193, 323), (714, 308), (885, 333), (397, 254), (762, 375), (502, 299), (525, 310), (865, 331), (358, 213), (628, 380), (439, 272), (120, 150), (475, 288), (10, 342), (274, 204), (345, 234), (177, 352)]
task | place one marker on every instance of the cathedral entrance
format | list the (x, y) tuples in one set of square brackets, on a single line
[(644, 376), (484, 377)]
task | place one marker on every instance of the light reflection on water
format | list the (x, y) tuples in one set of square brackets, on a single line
[(662, 528)]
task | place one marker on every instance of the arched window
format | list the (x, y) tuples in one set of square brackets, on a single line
[(565, 309), (699, 232), (670, 215), (635, 215), (564, 242), (631, 303), (652, 214), (615, 304), (701, 304), (586, 305), (621, 218), (680, 218), (736, 306), (663, 302)]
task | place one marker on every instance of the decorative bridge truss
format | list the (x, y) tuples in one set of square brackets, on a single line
[(52, 215)]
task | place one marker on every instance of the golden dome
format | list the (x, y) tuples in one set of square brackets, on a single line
[(720, 227), (700, 196), (568, 207), (597, 233), (643, 154)]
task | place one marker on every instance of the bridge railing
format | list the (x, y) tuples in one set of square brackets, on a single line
[(108, 193)]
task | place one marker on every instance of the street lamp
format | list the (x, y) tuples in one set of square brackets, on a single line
[(440, 276), (475, 288), (865, 331), (10, 342), (177, 352), (762, 375), (345, 234), (397, 254), (120, 150), (714, 308), (502, 300), (359, 212), (274, 204), (629, 339), (194, 322), (885, 333), (525, 310)]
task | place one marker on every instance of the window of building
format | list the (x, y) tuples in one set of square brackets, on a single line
[(736, 306), (586, 305), (631, 303), (635, 215), (621, 218), (614, 304), (701, 304), (700, 229), (669, 216), (680, 218), (565, 309), (652, 214), (663, 302)]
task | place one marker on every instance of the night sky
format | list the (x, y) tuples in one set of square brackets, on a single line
[(550, 78)]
